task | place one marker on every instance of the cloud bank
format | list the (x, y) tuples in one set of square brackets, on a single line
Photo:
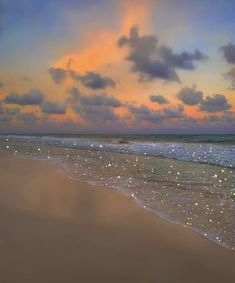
[(32, 97)]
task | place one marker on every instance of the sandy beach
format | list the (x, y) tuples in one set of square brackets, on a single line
[(54, 229)]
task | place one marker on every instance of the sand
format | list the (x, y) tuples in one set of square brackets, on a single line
[(54, 229)]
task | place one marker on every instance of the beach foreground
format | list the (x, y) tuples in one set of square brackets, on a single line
[(54, 229)]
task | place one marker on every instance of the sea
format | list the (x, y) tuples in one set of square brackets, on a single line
[(184, 179)]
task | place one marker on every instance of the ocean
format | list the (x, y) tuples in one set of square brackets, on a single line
[(185, 179)]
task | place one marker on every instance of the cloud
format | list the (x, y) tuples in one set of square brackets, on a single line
[(230, 75), (6, 114), (174, 112), (143, 113), (229, 52), (12, 111), (93, 99), (100, 100), (4, 118), (1, 84), (74, 98), (96, 81), (190, 96), (94, 107), (156, 62), (8, 111), (58, 75), (158, 99), (229, 55), (35, 97), (27, 117), (96, 114), (32, 97), (214, 103), (90, 79), (75, 93), (50, 107), (228, 117), (183, 60), (71, 73), (224, 121)]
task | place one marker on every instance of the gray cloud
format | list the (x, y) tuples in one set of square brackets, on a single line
[(190, 96), (96, 114), (214, 103), (1, 84), (89, 79), (12, 111), (96, 81), (227, 119), (174, 112), (50, 107), (74, 97), (229, 52), (158, 99), (32, 97), (10, 114), (7, 114), (58, 75), (8, 111), (71, 73), (230, 75), (27, 117), (94, 107), (183, 60), (229, 55), (1, 110), (100, 100), (76, 94), (143, 113), (93, 99), (5, 118), (154, 62)]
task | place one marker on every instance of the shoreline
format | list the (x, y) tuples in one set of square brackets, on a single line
[(159, 214), (93, 229)]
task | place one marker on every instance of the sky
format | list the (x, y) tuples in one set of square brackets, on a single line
[(117, 66)]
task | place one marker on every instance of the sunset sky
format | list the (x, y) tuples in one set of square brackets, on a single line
[(117, 66)]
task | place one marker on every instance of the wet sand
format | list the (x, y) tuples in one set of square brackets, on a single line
[(54, 229)]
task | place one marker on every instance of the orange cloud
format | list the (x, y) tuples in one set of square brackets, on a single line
[(100, 47)]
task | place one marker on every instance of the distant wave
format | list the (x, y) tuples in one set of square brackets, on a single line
[(221, 154)]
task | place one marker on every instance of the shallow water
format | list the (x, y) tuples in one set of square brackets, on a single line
[(195, 194), (195, 148)]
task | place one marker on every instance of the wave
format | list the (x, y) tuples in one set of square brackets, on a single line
[(210, 153)]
